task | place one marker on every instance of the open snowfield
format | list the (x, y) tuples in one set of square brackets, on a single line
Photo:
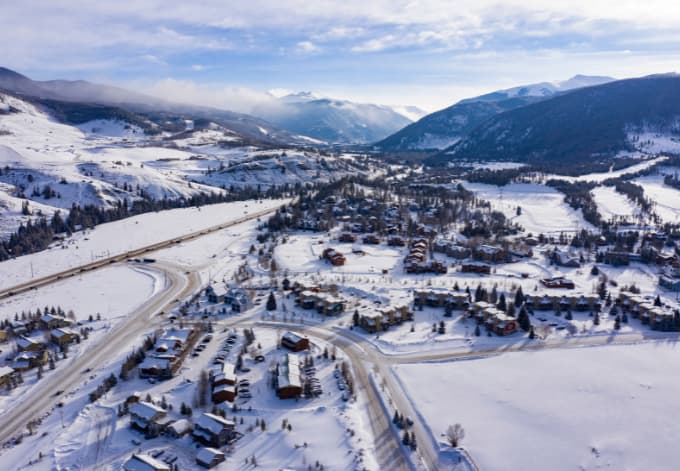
[(587, 409), (602, 176), (612, 204), (667, 199), (111, 292), (124, 235), (543, 208)]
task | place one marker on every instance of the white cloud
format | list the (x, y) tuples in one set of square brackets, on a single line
[(307, 47)]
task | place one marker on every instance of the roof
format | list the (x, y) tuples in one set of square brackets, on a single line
[(145, 410), (214, 423), (62, 332), (292, 337), (206, 455), (5, 370), (144, 463), (180, 426), (152, 362)]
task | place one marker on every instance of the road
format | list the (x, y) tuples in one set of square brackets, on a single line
[(121, 257), (38, 400)]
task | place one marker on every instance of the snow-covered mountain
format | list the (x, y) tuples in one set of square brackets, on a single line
[(332, 120), (57, 93), (52, 164), (446, 127)]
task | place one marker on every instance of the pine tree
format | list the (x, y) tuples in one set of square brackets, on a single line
[(519, 297), (271, 302)]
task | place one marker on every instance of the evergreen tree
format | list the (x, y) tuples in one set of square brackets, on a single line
[(271, 302)]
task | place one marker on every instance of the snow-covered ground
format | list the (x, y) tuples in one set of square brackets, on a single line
[(120, 236), (589, 408), (667, 199), (543, 208), (612, 205)]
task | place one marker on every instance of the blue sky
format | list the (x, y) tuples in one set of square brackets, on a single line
[(425, 53)]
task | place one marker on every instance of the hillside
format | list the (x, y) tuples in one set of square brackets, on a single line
[(446, 127), (334, 121), (594, 123)]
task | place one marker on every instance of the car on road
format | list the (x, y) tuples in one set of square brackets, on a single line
[(59, 392)]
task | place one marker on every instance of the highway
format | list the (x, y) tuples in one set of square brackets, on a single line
[(41, 399), (121, 257)]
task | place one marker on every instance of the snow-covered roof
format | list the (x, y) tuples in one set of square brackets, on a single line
[(206, 455), (145, 410), (180, 426), (5, 370), (144, 463), (62, 332), (153, 362), (213, 423)]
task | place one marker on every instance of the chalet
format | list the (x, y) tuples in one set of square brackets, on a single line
[(215, 293), (494, 319), (223, 393), (139, 462), (481, 268), (155, 367), (564, 259), (288, 379), (558, 282), (371, 239), (490, 254), (238, 299), (51, 321), (579, 303), (178, 428), (376, 321), (18, 328), (432, 266), (396, 242), (147, 418), (324, 303), (334, 257), (224, 374), (4, 335), (441, 299), (213, 430), (209, 457), (294, 342), (28, 344), (5, 374), (458, 251), (27, 360), (347, 237), (64, 336)]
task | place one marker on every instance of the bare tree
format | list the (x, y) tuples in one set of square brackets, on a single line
[(455, 434)]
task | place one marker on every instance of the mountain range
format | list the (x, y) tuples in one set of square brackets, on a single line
[(580, 126), (445, 127)]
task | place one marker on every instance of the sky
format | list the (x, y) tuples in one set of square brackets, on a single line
[(428, 53)]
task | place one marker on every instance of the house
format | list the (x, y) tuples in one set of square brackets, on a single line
[(27, 344), (490, 254), (294, 342), (223, 393), (480, 268), (63, 336), (5, 374), (209, 457), (154, 367), (334, 257), (148, 418), (396, 242), (458, 251), (558, 282), (216, 293), (178, 428), (26, 360), (376, 321), (494, 319), (288, 379), (371, 239), (213, 430), (564, 259), (238, 299), (51, 321), (347, 237), (226, 374), (139, 462), (4, 334)]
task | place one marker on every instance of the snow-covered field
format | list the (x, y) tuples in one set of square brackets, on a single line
[(590, 408), (120, 236), (667, 199), (111, 292), (613, 205), (543, 208)]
